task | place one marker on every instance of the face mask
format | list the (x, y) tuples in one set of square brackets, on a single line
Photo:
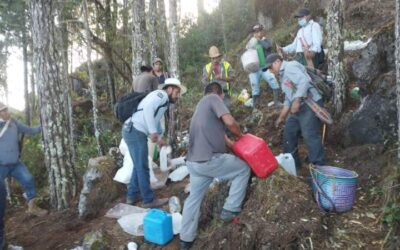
[(302, 22)]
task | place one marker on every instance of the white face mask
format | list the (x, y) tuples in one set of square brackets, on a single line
[(302, 22)]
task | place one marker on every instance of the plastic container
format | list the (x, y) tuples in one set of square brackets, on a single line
[(334, 188), (250, 61), (257, 154), (158, 227)]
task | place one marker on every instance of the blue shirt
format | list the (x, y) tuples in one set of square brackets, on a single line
[(295, 83), (9, 148), (144, 119)]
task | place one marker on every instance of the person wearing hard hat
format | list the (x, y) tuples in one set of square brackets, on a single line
[(219, 70), (308, 42), (10, 163), (158, 70), (299, 118), (262, 45), (146, 122)]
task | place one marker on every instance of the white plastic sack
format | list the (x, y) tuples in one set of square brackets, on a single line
[(179, 174), (355, 45), (178, 161), (250, 61), (133, 223), (132, 246), (287, 162), (122, 209), (176, 223), (164, 152)]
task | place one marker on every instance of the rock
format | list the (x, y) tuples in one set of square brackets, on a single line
[(96, 240), (377, 57), (98, 186)]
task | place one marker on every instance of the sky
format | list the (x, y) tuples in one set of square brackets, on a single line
[(15, 76)]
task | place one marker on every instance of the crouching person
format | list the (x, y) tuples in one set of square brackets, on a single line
[(10, 164), (207, 159)]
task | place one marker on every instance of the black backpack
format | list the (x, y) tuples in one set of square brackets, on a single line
[(129, 104), (322, 84)]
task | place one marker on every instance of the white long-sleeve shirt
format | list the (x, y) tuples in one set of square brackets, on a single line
[(311, 34), (144, 119)]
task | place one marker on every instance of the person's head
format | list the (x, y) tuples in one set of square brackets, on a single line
[(214, 55), (214, 88), (258, 31), (303, 16), (157, 64), (273, 62), (145, 69), (174, 89), (4, 114)]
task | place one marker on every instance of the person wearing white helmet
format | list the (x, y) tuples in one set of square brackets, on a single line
[(146, 122)]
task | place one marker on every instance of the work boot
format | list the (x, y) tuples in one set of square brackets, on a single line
[(34, 209), (131, 201), (255, 101), (185, 245), (227, 215), (156, 203), (276, 93)]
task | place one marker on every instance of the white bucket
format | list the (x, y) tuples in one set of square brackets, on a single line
[(250, 61)]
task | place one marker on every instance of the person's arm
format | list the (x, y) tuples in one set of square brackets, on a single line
[(148, 112), (228, 142), (316, 34), (291, 48), (301, 84), (22, 128), (282, 116), (205, 77), (231, 124), (231, 74)]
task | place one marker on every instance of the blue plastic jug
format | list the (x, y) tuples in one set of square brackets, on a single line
[(157, 227)]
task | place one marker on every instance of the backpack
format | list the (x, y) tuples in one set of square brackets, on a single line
[(129, 104), (321, 82)]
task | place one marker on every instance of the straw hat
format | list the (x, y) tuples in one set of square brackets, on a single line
[(213, 52), (173, 82), (156, 60)]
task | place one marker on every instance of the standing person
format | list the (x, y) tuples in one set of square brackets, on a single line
[(2, 210), (143, 123), (259, 43), (219, 70), (300, 119), (146, 81), (10, 164), (308, 42), (207, 159), (158, 70)]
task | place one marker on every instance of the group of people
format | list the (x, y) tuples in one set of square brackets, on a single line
[(207, 156)]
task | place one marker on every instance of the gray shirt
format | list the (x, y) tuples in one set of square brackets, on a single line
[(145, 82), (295, 82), (207, 131), (9, 148)]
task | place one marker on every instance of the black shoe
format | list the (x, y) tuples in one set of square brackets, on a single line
[(227, 215), (186, 245)]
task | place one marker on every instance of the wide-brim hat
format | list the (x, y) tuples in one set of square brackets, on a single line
[(3, 107), (214, 52), (156, 60), (175, 83)]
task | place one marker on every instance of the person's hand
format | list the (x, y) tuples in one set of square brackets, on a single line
[(278, 122), (309, 54), (161, 143), (229, 143), (295, 106), (279, 50), (154, 137)]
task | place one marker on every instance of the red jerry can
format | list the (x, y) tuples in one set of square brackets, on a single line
[(256, 153)]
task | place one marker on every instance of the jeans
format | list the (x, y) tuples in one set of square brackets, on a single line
[(307, 124), (255, 81), (140, 180), (2, 208), (223, 167), (21, 173)]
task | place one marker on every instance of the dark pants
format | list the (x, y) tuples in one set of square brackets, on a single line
[(2, 208), (307, 124)]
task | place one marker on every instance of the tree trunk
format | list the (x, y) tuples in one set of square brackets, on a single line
[(53, 111), (200, 8), (25, 61), (92, 77), (138, 36), (173, 54), (110, 33), (221, 5), (336, 54), (163, 31), (68, 83), (397, 41), (152, 29)]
